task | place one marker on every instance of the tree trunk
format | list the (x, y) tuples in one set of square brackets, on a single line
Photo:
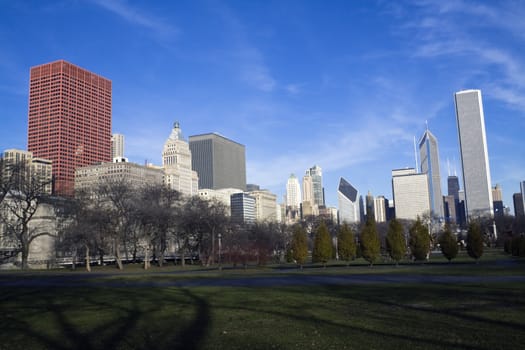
[(118, 260), (25, 257), (161, 258), (182, 258), (88, 265), (146, 258)]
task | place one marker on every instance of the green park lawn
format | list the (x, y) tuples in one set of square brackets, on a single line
[(136, 313)]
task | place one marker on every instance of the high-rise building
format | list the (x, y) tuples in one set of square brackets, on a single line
[(308, 188), (316, 173), (20, 166), (453, 186), (369, 203), (522, 189), (410, 190), (450, 208), (218, 161), (429, 155), (117, 146), (519, 208), (69, 119), (497, 201), (293, 192), (348, 202), (176, 161), (474, 154), (380, 208), (243, 208)]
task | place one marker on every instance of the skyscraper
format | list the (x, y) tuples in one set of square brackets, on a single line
[(219, 162), (453, 186), (69, 119), (176, 161), (429, 154), (380, 208), (117, 146), (316, 173), (411, 197), (348, 202), (519, 210), (293, 192), (522, 189), (497, 201), (474, 154)]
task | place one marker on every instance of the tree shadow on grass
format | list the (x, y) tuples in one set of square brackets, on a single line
[(128, 320)]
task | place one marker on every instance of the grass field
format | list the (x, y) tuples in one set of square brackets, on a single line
[(133, 314)]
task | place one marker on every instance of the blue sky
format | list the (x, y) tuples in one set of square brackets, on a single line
[(345, 85)]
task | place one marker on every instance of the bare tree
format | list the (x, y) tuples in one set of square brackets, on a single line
[(200, 223), (119, 197), (24, 194), (157, 213)]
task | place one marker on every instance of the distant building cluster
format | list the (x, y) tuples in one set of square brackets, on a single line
[(70, 143)]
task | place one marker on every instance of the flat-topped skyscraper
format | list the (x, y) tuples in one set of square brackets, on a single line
[(69, 120), (218, 161), (474, 154)]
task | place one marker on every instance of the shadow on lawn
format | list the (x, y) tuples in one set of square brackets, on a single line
[(364, 316), (132, 324)]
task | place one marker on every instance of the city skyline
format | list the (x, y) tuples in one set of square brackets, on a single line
[(317, 93)]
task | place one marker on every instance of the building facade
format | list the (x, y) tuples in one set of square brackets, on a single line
[(243, 208), (519, 208), (380, 208), (348, 200), (265, 205), (429, 155), (69, 120), (90, 177), (293, 192), (316, 174), (176, 161), (117, 146), (218, 161), (474, 154), (497, 201), (410, 190), (223, 195)]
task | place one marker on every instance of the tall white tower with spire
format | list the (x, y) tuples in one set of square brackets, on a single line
[(176, 161)]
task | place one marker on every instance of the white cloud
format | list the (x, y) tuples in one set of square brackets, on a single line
[(138, 17)]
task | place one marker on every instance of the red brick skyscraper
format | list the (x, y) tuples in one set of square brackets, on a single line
[(69, 119)]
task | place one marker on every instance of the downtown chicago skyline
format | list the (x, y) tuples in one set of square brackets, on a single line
[(317, 93)]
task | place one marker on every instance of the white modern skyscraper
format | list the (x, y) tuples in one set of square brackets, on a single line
[(293, 192), (410, 190), (176, 161), (474, 154), (429, 155), (117, 146), (348, 202)]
